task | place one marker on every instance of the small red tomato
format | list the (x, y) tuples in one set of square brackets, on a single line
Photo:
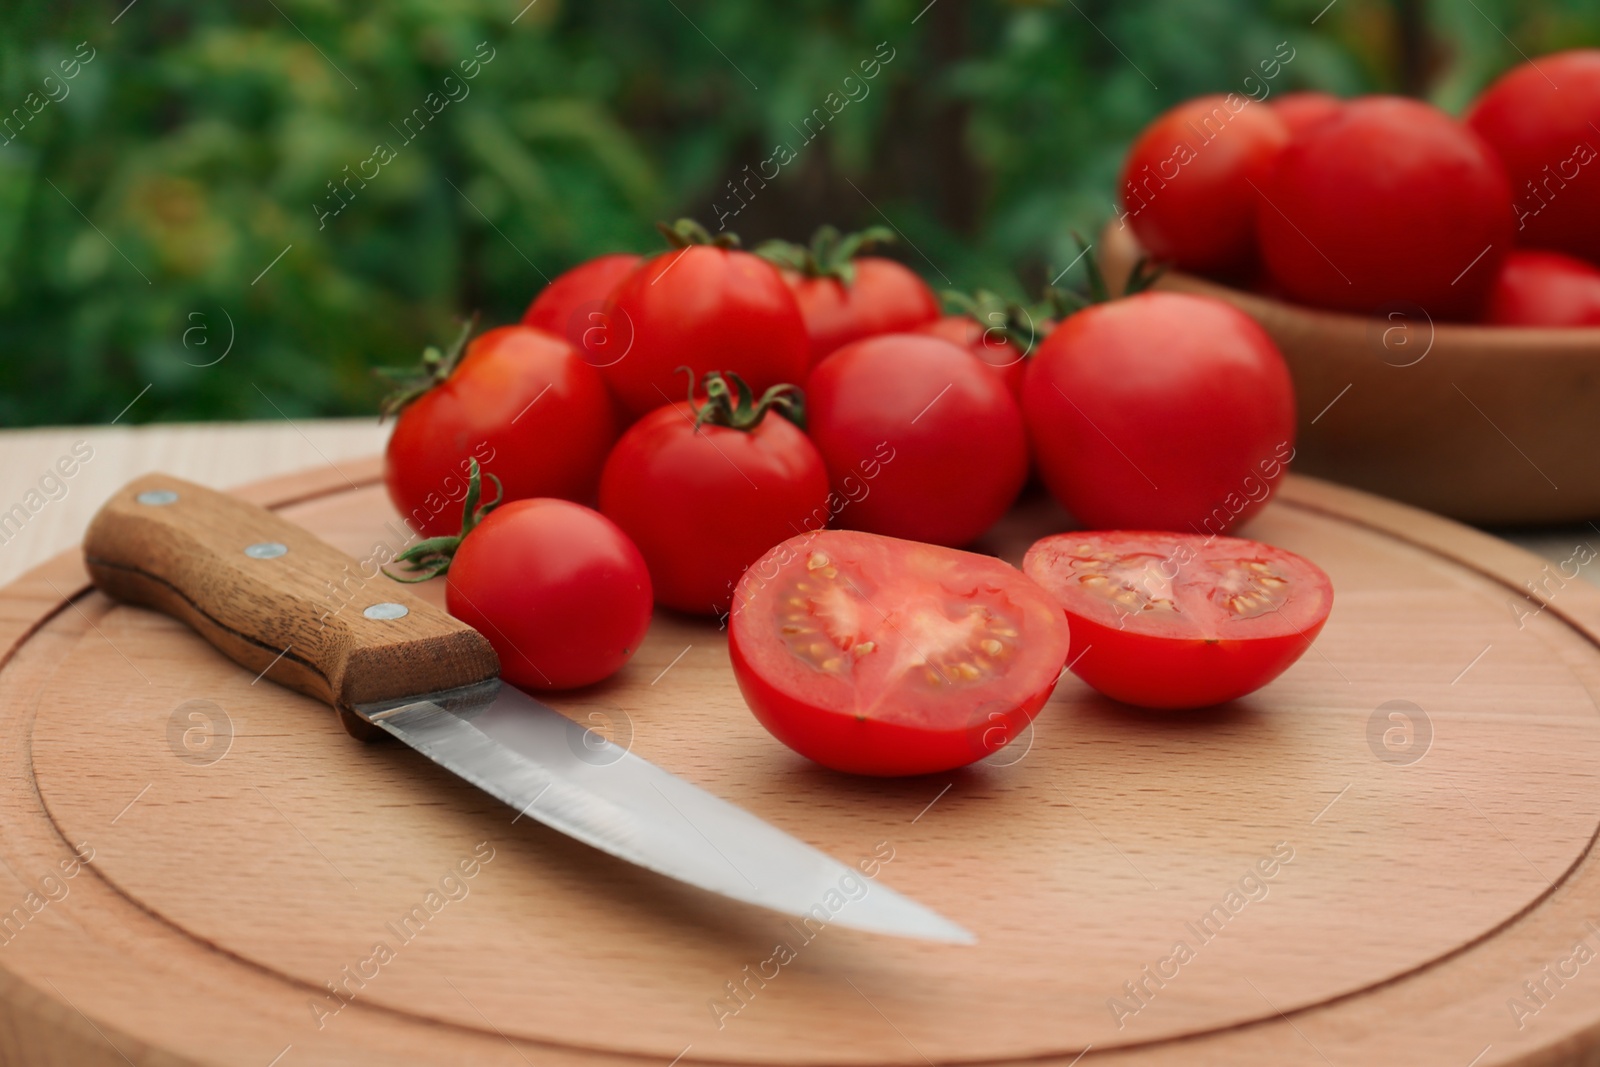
[(519, 401), (845, 296), (1192, 181), (703, 491), (885, 297), (558, 590), (1301, 111), (882, 298), (1160, 411), (989, 343), (701, 306), (1544, 289), (1541, 119), (1389, 201), (921, 440), (571, 305), (878, 656), (1165, 620)]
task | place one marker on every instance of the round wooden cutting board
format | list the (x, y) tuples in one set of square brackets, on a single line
[(1386, 856)]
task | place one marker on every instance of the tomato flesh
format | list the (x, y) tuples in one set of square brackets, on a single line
[(873, 655), (1166, 620)]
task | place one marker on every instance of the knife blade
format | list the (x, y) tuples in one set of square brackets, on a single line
[(279, 601)]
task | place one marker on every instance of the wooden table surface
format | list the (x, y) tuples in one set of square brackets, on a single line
[(214, 454), (228, 454)]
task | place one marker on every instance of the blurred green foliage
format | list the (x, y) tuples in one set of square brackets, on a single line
[(141, 212)]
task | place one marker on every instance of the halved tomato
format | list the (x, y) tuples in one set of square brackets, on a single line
[(874, 655), (1167, 620)]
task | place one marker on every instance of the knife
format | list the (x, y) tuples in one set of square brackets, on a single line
[(297, 611)]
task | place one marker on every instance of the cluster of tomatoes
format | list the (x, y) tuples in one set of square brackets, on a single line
[(1383, 204), (812, 480)]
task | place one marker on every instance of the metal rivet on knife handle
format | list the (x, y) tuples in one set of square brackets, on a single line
[(156, 498), (266, 550), (387, 610)]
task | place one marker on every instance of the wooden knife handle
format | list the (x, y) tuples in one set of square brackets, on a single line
[(276, 599)]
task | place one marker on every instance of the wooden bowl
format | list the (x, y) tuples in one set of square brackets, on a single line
[(1489, 425)]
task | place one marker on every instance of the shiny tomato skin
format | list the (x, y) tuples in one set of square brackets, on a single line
[(1160, 411), (1129, 644), (1537, 288), (1389, 201), (991, 347), (1301, 111), (702, 505), (701, 307), (899, 658), (1189, 185), (1540, 119), (885, 297), (572, 304), (523, 404), (558, 589), (921, 440)]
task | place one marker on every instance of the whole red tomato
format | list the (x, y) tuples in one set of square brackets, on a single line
[(1166, 620), (1191, 181), (884, 297), (1388, 201), (878, 656), (558, 590), (571, 305), (845, 296), (1301, 111), (704, 306), (519, 401), (921, 440), (1544, 289), (1541, 119), (1161, 411), (705, 488)]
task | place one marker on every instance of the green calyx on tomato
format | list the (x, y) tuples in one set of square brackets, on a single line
[(431, 557), (831, 253), (411, 382), (735, 405), (1063, 302), (685, 233), (1001, 318), (1024, 326)]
